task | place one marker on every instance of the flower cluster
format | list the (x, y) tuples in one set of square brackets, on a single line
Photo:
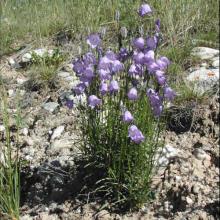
[(141, 65)]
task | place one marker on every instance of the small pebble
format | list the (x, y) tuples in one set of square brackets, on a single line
[(57, 132), (2, 128)]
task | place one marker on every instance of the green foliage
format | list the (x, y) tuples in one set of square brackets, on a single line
[(9, 169), (182, 19)]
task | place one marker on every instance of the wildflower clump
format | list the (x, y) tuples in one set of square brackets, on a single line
[(126, 92)]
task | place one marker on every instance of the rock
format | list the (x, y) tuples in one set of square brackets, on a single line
[(57, 145), (203, 80), (10, 93), (69, 78), (25, 131), (27, 57), (215, 62), (205, 53), (21, 81), (68, 67), (170, 151), (13, 63), (26, 217), (103, 215), (2, 128), (50, 106), (29, 141), (57, 132), (204, 65), (163, 161), (46, 216), (196, 189), (63, 74), (199, 154), (189, 200)]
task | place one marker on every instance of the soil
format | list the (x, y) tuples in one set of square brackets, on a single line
[(185, 187)]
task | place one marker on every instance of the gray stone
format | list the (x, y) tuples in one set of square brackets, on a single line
[(203, 80), (26, 217), (63, 74), (25, 131), (58, 145), (215, 62), (195, 189), (199, 154), (50, 106), (205, 53), (21, 81), (69, 78), (41, 52), (57, 132), (2, 128)]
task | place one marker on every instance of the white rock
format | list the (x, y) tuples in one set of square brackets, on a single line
[(215, 62), (22, 92), (203, 80), (50, 106), (57, 145), (170, 151), (26, 58), (20, 81), (204, 65), (189, 200), (2, 128), (178, 178), (163, 161), (205, 53), (10, 93), (69, 78), (25, 131), (29, 141), (41, 52), (200, 154), (57, 132), (63, 74)]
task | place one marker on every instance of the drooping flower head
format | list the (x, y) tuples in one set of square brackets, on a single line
[(103, 88), (160, 75), (138, 57), (149, 56), (132, 94), (78, 67), (123, 54), (151, 43), (139, 43), (79, 88), (69, 104), (135, 134), (169, 93), (94, 101), (135, 70), (145, 9), (156, 102), (127, 117), (113, 86), (93, 40)]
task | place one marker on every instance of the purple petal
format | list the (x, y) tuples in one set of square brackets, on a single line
[(135, 134), (127, 117), (132, 94), (139, 43), (93, 40), (94, 101), (145, 9)]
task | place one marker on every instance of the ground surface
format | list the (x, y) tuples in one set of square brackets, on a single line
[(185, 185)]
